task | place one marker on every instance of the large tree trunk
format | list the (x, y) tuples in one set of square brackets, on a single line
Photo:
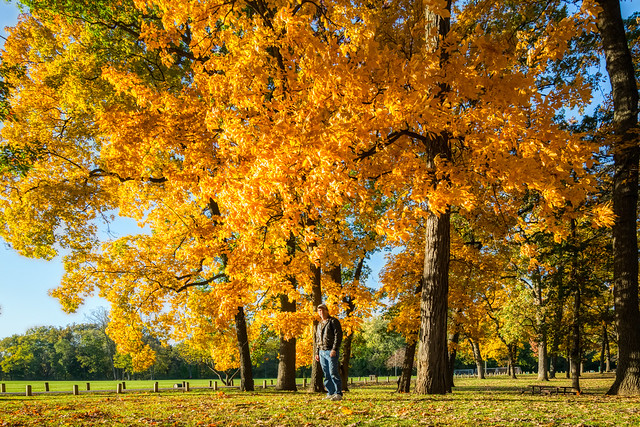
[(404, 382), (477, 357), (626, 153), (246, 373), (287, 353), (432, 353), (542, 358)]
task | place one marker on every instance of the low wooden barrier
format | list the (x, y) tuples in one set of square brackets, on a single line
[(121, 387)]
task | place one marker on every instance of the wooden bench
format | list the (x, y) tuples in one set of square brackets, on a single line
[(551, 389)]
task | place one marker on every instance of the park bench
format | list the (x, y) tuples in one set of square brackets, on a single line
[(551, 389)]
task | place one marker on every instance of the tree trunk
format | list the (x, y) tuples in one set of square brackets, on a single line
[(246, 373), (345, 356), (432, 353), (575, 342), (316, 294), (568, 356), (455, 338), (287, 353), (553, 365), (626, 153), (404, 382), (477, 357), (603, 348), (542, 358), (513, 357), (607, 365)]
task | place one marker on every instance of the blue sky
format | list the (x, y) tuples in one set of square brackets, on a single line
[(24, 282)]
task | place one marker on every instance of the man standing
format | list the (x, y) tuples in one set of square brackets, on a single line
[(328, 340)]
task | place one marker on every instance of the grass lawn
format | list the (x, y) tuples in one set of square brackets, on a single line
[(494, 401)]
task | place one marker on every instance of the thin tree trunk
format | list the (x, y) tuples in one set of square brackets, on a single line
[(626, 154), (575, 343), (477, 357), (607, 356), (512, 354), (568, 356), (455, 338), (246, 372), (603, 348), (345, 356), (404, 382), (316, 294)]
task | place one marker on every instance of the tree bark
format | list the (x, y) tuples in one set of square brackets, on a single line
[(477, 357), (455, 338), (542, 358), (432, 353), (345, 356), (626, 154), (287, 353), (404, 382), (316, 294), (575, 342), (246, 372), (512, 350), (603, 347)]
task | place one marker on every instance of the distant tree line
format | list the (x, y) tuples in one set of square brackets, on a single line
[(85, 352)]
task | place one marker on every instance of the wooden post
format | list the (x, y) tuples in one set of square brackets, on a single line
[(76, 390), (271, 382), (124, 385), (351, 380), (215, 385), (155, 387), (28, 391), (3, 388), (186, 386), (88, 386), (210, 384), (264, 384), (46, 386), (119, 388)]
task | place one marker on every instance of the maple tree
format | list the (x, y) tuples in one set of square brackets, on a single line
[(247, 136)]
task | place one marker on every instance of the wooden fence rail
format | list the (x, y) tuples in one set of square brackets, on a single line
[(121, 387)]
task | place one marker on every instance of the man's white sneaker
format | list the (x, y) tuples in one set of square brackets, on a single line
[(336, 397), (329, 397)]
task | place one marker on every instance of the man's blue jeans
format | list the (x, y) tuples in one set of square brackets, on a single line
[(332, 381)]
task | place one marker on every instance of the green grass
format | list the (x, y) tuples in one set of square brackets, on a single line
[(494, 401)]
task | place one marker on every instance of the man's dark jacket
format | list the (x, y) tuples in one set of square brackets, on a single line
[(329, 335)]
